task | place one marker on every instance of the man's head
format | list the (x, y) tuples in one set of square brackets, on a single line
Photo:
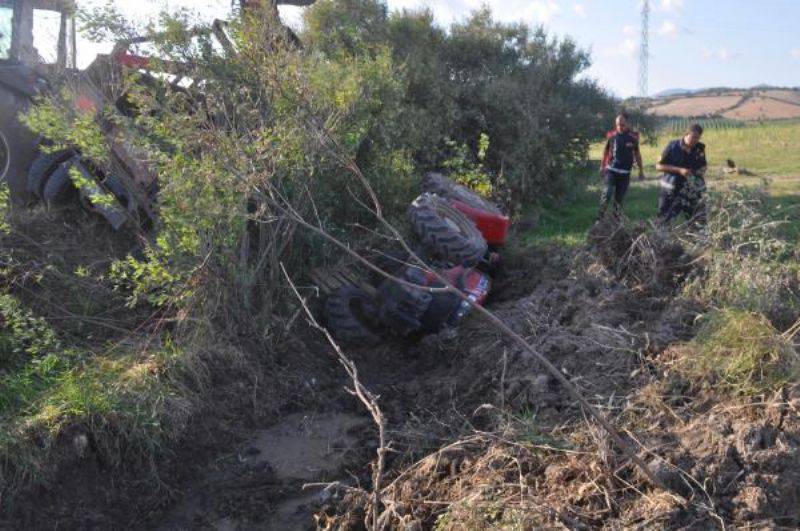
[(692, 135), (621, 122)]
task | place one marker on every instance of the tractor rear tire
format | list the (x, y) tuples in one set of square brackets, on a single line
[(445, 232), (438, 184), (5, 157), (347, 314), (59, 187), (43, 168), (17, 142)]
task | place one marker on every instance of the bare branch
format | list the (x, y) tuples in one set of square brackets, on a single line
[(366, 397)]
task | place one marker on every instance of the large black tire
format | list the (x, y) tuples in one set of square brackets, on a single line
[(442, 307), (445, 232), (5, 157), (17, 144), (114, 185), (347, 316), (43, 167), (402, 307), (59, 188), (438, 184)]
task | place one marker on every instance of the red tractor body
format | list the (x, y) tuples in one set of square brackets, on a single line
[(492, 225)]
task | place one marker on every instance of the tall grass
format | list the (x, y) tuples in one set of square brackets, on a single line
[(742, 352)]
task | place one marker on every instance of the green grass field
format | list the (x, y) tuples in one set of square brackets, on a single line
[(771, 152)]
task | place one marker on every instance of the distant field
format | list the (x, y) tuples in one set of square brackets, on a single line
[(792, 96), (700, 106), (774, 104), (760, 108), (770, 151)]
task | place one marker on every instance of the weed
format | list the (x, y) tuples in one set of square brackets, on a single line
[(742, 352)]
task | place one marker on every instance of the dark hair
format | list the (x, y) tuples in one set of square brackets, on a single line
[(696, 129), (623, 114)]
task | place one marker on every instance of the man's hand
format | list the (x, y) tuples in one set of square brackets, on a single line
[(686, 172), (641, 175)]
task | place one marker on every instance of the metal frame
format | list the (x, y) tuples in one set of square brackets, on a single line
[(22, 31)]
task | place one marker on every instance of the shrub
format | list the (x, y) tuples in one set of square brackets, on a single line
[(746, 265), (742, 352)]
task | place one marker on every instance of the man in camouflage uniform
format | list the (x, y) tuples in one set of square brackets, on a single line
[(683, 186)]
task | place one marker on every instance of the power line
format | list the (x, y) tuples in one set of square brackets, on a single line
[(644, 52)]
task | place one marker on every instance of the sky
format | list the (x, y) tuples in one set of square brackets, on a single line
[(693, 43)]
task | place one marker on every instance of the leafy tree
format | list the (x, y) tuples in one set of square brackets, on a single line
[(516, 85)]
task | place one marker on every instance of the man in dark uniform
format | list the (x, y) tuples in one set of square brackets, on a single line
[(682, 184), (622, 150)]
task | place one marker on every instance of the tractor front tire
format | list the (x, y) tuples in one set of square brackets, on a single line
[(445, 232), (347, 315), (402, 307)]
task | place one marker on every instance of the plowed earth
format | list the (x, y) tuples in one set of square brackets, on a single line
[(481, 435)]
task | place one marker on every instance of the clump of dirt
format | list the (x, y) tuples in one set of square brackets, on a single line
[(728, 465), (646, 258)]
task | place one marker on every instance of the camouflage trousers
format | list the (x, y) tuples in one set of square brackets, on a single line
[(686, 197), (615, 186)]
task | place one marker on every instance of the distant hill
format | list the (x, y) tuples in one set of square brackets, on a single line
[(672, 92), (757, 103)]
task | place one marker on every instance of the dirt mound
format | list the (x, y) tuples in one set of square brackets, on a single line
[(732, 465), (647, 259)]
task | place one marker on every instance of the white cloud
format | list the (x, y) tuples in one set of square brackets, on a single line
[(579, 10), (668, 29), (795, 53), (671, 5), (627, 48), (542, 10), (629, 31)]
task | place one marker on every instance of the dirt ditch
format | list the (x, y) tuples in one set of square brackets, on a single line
[(482, 436)]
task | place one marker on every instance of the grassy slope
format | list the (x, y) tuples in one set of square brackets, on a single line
[(770, 151)]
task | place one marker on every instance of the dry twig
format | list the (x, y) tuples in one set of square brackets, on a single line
[(366, 397)]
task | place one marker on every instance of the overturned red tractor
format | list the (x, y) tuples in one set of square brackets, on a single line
[(459, 233)]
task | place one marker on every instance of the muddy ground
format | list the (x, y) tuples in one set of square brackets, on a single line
[(481, 435)]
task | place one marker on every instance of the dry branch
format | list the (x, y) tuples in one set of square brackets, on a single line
[(366, 397)]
